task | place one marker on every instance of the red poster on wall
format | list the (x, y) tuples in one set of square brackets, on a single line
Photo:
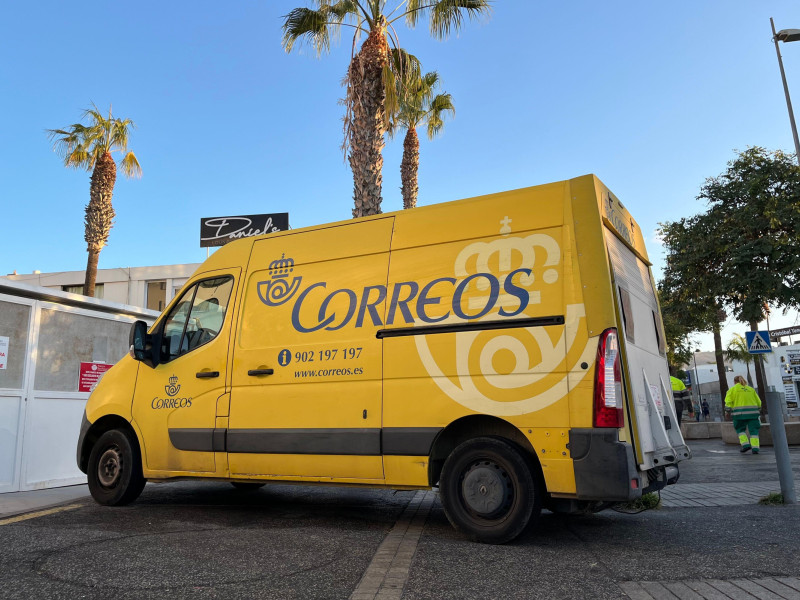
[(90, 374)]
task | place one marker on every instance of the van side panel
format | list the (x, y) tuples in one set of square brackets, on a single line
[(508, 260), (307, 369)]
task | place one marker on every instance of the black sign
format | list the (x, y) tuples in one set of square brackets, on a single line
[(218, 231), (774, 334)]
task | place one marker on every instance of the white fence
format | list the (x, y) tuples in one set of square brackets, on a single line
[(48, 335)]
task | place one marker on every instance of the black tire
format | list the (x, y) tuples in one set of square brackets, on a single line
[(115, 469), (246, 486), (489, 491)]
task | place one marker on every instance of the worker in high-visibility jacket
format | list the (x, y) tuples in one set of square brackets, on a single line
[(681, 397), (744, 403)]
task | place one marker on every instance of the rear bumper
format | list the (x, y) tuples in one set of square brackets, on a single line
[(605, 468)]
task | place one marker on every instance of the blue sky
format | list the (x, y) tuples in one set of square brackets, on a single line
[(651, 97)]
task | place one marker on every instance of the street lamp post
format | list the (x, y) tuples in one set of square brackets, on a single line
[(787, 35)]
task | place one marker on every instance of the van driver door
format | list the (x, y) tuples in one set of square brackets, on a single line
[(175, 403)]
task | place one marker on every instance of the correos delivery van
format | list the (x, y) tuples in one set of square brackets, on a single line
[(508, 349)]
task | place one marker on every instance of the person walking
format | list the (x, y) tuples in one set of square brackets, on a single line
[(745, 405), (681, 397), (706, 410)]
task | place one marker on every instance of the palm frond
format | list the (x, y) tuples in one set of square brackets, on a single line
[(71, 145), (80, 158), (400, 76), (448, 15), (130, 165), (414, 10), (308, 25), (118, 138), (315, 27), (441, 104)]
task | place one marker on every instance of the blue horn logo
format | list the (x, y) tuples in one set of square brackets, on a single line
[(174, 387), (278, 290)]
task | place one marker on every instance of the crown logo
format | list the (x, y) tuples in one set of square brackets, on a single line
[(281, 267), (277, 290), (503, 255), (173, 388)]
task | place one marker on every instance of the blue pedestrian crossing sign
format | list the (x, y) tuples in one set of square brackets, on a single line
[(758, 342)]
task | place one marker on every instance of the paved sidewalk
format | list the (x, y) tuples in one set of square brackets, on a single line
[(718, 494), (16, 503), (767, 588)]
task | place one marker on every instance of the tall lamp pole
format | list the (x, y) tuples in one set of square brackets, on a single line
[(696, 382), (787, 35)]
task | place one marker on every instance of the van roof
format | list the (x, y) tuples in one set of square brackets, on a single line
[(227, 253)]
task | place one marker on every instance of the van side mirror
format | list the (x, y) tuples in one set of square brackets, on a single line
[(141, 347)]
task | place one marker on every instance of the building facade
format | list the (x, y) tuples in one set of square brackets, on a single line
[(146, 287)]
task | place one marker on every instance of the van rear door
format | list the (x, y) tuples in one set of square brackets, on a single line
[(651, 414)]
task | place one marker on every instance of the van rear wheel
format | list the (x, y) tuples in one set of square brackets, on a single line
[(488, 490), (115, 469)]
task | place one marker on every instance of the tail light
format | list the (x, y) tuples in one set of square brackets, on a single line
[(608, 382)]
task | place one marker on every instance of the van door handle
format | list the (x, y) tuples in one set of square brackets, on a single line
[(207, 374), (256, 372)]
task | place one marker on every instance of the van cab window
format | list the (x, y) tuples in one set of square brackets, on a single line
[(196, 318)]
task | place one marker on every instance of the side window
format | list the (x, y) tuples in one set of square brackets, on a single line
[(659, 325), (196, 318), (627, 314)]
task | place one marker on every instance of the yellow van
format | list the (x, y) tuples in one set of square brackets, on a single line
[(508, 349)]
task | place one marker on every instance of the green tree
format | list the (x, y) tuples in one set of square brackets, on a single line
[(737, 350), (756, 212), (417, 104), (90, 147), (370, 72), (677, 331), (691, 281)]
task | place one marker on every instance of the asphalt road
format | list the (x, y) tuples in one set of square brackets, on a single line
[(208, 540)]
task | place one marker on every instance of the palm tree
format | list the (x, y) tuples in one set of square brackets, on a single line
[(370, 71), (417, 105), (90, 147), (737, 350)]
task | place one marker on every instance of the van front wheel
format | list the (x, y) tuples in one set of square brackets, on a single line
[(488, 490), (115, 469)]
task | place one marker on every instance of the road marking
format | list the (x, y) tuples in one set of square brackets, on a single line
[(387, 574), (41, 513)]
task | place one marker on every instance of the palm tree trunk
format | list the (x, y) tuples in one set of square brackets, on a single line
[(366, 99), (409, 167), (99, 217), (91, 272), (721, 373)]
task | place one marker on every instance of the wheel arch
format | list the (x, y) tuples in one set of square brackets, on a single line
[(474, 426), (97, 429)]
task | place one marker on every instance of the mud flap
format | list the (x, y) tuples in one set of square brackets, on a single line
[(605, 468)]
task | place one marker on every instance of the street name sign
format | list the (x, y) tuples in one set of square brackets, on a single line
[(779, 333)]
